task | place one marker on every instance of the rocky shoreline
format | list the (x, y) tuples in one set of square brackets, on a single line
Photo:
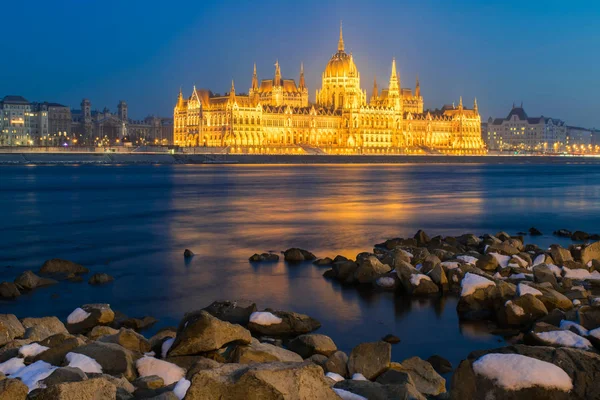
[(545, 301)]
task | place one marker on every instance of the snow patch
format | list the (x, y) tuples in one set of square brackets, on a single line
[(265, 318), (346, 395), (468, 259), (32, 374), (472, 282), (516, 372), (502, 259), (517, 310), (12, 366), (84, 363), (450, 265), (181, 388), (565, 338), (406, 253), (520, 261), (359, 377), (576, 302), (555, 270), (521, 276), (567, 325), (580, 273), (523, 289), (416, 279), (170, 373), (595, 333), (165, 347), (385, 281), (539, 259), (334, 376), (32, 350), (78, 315)]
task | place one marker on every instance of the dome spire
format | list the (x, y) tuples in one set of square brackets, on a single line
[(302, 83), (254, 79), (341, 42)]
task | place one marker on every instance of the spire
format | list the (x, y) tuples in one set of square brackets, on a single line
[(475, 107), (460, 104), (232, 91), (277, 79), (341, 42), (394, 83), (418, 88), (521, 103), (375, 89), (302, 83), (254, 79), (180, 99)]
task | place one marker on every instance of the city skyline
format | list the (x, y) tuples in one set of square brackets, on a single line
[(495, 52)]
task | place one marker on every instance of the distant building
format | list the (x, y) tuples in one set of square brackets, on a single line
[(579, 137), (57, 118), (107, 128), (21, 122), (519, 132)]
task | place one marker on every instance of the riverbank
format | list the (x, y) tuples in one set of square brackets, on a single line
[(70, 158), (544, 301)]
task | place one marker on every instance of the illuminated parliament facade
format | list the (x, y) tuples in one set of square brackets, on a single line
[(277, 117)]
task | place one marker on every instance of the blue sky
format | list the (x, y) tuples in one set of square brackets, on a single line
[(544, 53)]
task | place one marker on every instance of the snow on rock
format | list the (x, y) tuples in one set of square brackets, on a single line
[(467, 259), (84, 363), (32, 374), (334, 376), (567, 325), (385, 281), (502, 259), (565, 338), (576, 302), (523, 289), (170, 373), (555, 270), (12, 366), (406, 253), (472, 282), (346, 395), (416, 279), (32, 350), (539, 259), (165, 347), (521, 276), (78, 315), (517, 310), (595, 333), (580, 273), (359, 377), (181, 388), (450, 265), (516, 372), (264, 318)]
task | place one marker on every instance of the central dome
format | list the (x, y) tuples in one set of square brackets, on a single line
[(340, 64)]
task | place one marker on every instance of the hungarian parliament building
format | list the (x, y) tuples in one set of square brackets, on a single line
[(277, 117)]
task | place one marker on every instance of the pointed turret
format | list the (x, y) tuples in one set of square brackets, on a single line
[(475, 107), (180, 99), (302, 83), (460, 104), (277, 78), (418, 88), (341, 41), (394, 81), (232, 92), (254, 79), (375, 89)]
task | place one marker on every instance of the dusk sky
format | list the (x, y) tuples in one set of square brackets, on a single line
[(544, 53)]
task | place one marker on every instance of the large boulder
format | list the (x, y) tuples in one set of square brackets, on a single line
[(337, 363), (268, 257), (291, 324), (520, 378), (560, 254), (523, 310), (553, 299), (58, 347), (8, 290), (370, 269), (38, 329), (88, 316), (585, 254), (439, 277), (542, 273), (344, 270), (91, 389), (487, 262), (298, 255), (100, 279), (63, 375), (29, 281), (425, 378), (312, 343), (377, 391), (370, 359), (235, 312), (268, 381), (10, 328), (57, 266), (113, 359), (479, 296), (129, 339), (419, 285), (200, 332), (589, 317), (13, 389), (257, 352)]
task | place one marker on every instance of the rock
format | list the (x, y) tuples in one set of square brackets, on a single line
[(419, 285), (391, 339), (560, 255), (29, 281), (504, 248), (589, 317), (370, 359), (394, 377), (235, 312), (582, 367), (440, 364), (13, 389), (319, 359), (65, 374), (535, 232), (429, 263), (292, 324), (376, 391), (11, 349), (553, 299), (10, 328), (337, 363), (100, 330), (438, 276), (120, 383), (38, 329), (426, 379), (128, 339), (563, 233), (589, 253), (164, 396), (421, 238), (487, 262), (480, 304), (264, 257), (138, 324), (321, 262), (187, 253), (542, 273), (257, 352), (312, 343), (298, 255), (57, 266), (113, 358), (99, 314), (522, 311), (268, 381), (8, 290), (344, 270), (92, 389), (369, 269), (201, 364), (59, 345), (200, 332), (100, 279), (149, 382), (580, 236)]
